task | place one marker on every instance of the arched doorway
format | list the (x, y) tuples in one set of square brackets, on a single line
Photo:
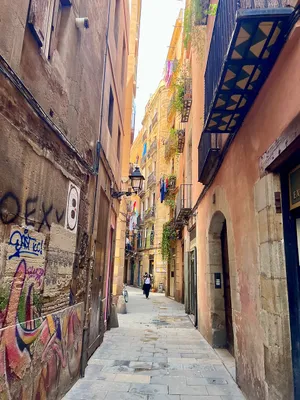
[(220, 292)]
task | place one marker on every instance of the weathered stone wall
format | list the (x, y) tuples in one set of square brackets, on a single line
[(48, 160)]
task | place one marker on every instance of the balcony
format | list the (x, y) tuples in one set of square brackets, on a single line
[(183, 204), (151, 179), (181, 140), (145, 136), (130, 244), (248, 35), (208, 157), (149, 213), (187, 100), (152, 148)]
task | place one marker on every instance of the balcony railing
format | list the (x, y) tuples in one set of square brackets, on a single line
[(145, 136), (153, 147), (151, 179), (181, 140), (131, 244), (208, 156), (247, 38), (183, 203), (187, 100), (149, 213)]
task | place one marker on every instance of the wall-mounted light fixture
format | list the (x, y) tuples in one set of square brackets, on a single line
[(136, 183), (82, 23)]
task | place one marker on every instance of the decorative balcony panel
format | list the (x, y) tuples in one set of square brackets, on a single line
[(181, 140), (151, 179), (247, 38), (183, 204), (208, 157), (187, 100)]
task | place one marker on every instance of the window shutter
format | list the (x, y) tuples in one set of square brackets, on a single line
[(38, 19)]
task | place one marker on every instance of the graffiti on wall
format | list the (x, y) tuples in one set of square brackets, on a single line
[(39, 356), (28, 245), (24, 244), (10, 210)]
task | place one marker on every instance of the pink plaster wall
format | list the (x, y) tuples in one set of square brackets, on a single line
[(277, 104)]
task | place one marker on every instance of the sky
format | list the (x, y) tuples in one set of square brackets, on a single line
[(157, 23)]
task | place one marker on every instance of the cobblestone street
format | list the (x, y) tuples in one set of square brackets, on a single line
[(156, 354)]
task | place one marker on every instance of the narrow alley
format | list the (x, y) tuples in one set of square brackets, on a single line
[(156, 354)]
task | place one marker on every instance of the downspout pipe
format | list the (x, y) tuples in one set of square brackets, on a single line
[(85, 344)]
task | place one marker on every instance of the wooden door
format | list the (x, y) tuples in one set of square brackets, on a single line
[(227, 292), (96, 328)]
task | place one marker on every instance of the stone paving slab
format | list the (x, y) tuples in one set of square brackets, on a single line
[(156, 354)]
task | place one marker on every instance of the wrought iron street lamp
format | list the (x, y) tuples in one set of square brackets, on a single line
[(136, 183)]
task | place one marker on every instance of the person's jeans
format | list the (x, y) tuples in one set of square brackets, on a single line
[(147, 289)]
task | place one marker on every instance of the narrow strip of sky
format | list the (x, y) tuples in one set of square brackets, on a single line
[(157, 24)]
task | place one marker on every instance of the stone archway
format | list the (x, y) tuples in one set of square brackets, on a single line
[(219, 284)]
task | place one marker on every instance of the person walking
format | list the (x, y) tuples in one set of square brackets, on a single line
[(147, 285)]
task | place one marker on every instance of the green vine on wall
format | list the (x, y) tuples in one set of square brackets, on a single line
[(169, 235), (170, 201)]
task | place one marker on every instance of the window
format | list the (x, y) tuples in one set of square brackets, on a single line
[(40, 22), (123, 62), (153, 199), (43, 21), (111, 112), (119, 144), (116, 24)]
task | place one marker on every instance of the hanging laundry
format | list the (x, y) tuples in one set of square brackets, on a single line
[(162, 190)]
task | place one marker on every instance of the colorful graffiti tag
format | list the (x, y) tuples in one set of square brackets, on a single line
[(39, 358)]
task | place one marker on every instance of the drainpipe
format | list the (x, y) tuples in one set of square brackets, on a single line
[(85, 344)]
